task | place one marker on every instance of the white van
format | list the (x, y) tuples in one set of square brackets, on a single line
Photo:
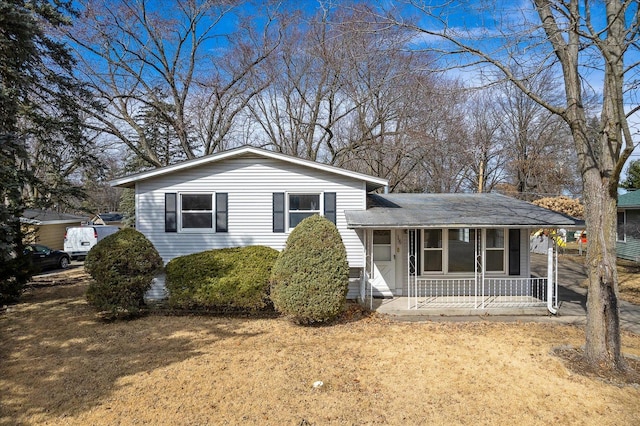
[(78, 240)]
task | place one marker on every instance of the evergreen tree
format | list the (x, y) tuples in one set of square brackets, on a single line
[(40, 104), (632, 181)]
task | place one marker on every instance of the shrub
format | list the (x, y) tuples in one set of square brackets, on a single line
[(228, 279), (122, 266), (310, 278)]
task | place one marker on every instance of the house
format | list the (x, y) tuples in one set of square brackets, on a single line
[(48, 227), (421, 246), (111, 218), (628, 236)]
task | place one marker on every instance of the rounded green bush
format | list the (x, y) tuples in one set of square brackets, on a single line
[(122, 266), (309, 280), (234, 278)]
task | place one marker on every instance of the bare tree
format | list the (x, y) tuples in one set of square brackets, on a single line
[(177, 58), (538, 141), (346, 92), (391, 98), (570, 36), (486, 152)]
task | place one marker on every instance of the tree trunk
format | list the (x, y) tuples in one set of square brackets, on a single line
[(603, 325)]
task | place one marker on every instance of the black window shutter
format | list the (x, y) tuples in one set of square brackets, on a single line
[(514, 252), (222, 212), (330, 206), (278, 212), (170, 212)]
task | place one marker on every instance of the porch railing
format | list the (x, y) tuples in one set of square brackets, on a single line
[(468, 293)]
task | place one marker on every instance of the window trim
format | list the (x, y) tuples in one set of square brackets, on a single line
[(288, 211), (180, 211)]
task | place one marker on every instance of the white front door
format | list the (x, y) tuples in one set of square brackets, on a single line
[(384, 262)]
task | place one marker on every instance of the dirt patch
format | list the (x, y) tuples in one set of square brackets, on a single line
[(63, 366), (575, 361)]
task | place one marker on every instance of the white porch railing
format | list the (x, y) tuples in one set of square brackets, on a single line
[(467, 293)]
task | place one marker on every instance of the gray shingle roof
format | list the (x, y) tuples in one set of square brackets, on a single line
[(453, 210), (38, 217)]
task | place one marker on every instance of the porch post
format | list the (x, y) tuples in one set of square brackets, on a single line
[(555, 280), (550, 281), (412, 266)]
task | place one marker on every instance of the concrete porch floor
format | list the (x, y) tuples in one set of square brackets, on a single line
[(399, 306)]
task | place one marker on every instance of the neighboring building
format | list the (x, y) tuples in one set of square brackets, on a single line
[(111, 218), (465, 246), (47, 227), (628, 236)]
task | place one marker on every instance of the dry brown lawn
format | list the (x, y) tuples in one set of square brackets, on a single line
[(60, 365)]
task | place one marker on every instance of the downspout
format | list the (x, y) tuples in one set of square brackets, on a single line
[(550, 281)]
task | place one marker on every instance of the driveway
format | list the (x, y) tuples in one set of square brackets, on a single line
[(573, 297)]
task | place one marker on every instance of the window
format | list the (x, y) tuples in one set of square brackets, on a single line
[(494, 245), (451, 251), (432, 259), (302, 206), (196, 211), (462, 250), (293, 208), (621, 234), (381, 245)]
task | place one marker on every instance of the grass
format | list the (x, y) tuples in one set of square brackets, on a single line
[(61, 365)]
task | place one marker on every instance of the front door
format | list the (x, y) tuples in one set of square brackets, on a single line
[(384, 270)]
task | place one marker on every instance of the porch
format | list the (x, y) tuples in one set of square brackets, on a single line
[(501, 296), (433, 253), (520, 292)]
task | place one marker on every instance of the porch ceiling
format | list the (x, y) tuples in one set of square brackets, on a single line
[(454, 210)]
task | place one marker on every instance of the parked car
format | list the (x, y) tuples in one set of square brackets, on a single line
[(43, 257), (78, 240)]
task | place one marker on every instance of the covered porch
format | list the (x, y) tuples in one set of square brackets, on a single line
[(451, 254), (462, 295)]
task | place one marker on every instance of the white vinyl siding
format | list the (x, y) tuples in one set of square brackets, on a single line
[(250, 183)]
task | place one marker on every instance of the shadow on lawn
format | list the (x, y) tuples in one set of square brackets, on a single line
[(59, 360)]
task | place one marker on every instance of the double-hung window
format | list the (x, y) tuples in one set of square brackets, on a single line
[(196, 212), (494, 246), (290, 208), (302, 206), (432, 250)]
